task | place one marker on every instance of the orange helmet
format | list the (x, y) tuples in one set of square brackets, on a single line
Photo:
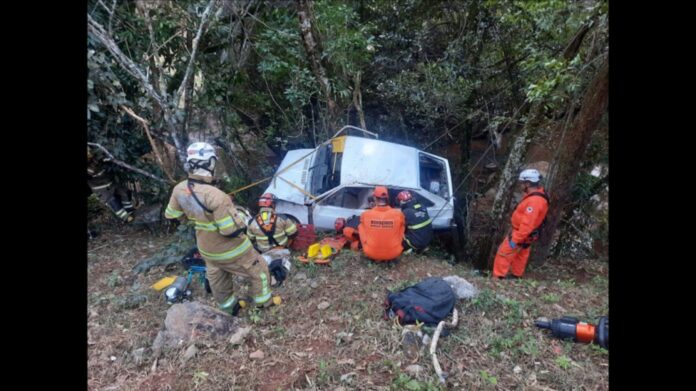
[(381, 192), (267, 200)]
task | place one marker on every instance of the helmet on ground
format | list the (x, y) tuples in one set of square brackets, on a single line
[(404, 197), (267, 200), (530, 175), (381, 192)]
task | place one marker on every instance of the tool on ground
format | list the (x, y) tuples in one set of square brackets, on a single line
[(321, 253), (194, 263), (177, 292), (200, 270), (163, 283), (569, 327)]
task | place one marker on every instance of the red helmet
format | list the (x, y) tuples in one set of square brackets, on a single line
[(404, 196), (381, 192), (267, 200)]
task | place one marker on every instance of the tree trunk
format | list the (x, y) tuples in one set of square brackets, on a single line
[(594, 104), (312, 46), (357, 101), (488, 244)]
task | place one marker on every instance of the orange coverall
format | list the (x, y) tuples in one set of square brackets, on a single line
[(527, 217)]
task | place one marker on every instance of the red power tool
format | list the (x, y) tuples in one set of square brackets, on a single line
[(570, 327)]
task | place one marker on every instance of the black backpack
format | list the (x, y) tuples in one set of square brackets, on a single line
[(428, 302)]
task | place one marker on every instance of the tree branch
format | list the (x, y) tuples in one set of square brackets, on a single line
[(143, 122), (124, 61), (126, 165), (129, 66), (194, 51)]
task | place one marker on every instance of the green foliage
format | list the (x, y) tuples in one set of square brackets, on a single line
[(404, 382), (488, 377), (182, 242), (563, 362), (485, 300), (551, 298)]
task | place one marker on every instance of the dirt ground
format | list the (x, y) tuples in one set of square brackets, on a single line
[(348, 345)]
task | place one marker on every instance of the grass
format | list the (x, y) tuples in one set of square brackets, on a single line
[(303, 346)]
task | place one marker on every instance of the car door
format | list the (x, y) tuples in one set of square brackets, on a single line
[(439, 209), (340, 202)]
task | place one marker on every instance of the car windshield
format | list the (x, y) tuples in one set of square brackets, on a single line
[(325, 170)]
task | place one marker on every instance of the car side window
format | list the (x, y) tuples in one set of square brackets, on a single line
[(349, 198)]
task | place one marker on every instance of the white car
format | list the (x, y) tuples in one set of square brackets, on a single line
[(339, 177)]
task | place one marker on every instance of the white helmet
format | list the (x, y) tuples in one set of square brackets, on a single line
[(200, 151), (530, 175)]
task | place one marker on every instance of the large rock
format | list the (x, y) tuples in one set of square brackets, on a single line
[(192, 321), (461, 287)]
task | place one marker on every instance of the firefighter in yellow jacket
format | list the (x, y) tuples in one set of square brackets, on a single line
[(220, 232), (269, 230), (101, 182)]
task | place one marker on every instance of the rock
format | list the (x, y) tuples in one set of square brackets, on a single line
[(300, 276), (238, 337), (112, 358), (344, 337), (138, 355), (323, 305), (257, 355), (346, 377), (414, 370), (517, 369), (461, 287), (190, 353), (313, 284), (190, 322)]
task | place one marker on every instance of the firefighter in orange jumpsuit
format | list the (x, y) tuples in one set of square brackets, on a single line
[(381, 229), (526, 220)]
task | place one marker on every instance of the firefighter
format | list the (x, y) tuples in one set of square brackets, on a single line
[(381, 229), (220, 232), (349, 229), (527, 219), (101, 182), (419, 225), (267, 229)]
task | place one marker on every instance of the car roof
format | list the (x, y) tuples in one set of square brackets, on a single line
[(376, 162)]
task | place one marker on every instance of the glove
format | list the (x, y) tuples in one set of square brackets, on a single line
[(512, 244)]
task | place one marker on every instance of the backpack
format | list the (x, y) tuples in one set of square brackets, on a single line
[(428, 302)]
